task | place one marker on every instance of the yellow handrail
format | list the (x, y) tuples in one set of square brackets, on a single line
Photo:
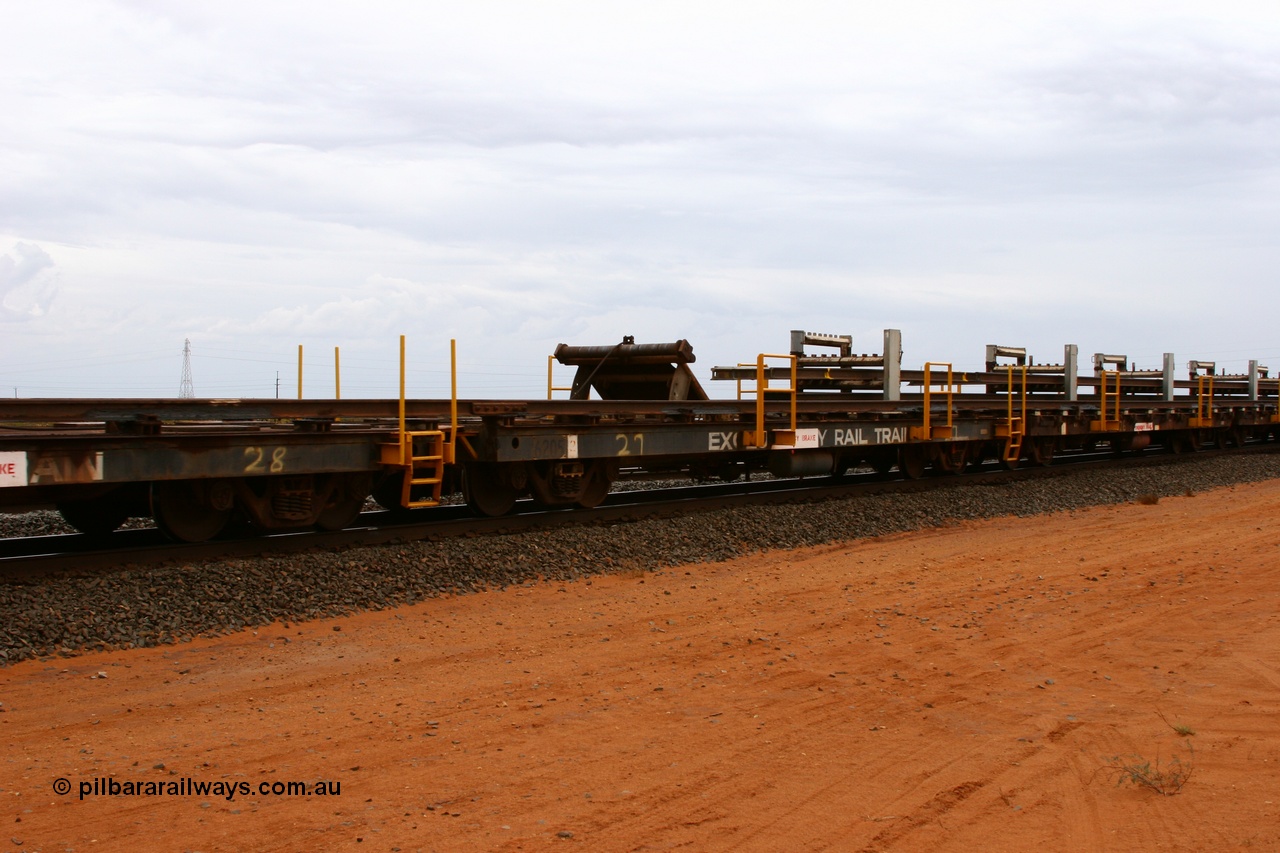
[(759, 437), (553, 388), (1103, 424), (443, 443), (1023, 413), (402, 447), (1204, 404), (451, 444), (926, 431)]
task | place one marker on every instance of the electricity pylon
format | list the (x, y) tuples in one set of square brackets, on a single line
[(187, 390)]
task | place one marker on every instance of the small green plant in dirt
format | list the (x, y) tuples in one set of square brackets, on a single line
[(1166, 779), (1180, 729)]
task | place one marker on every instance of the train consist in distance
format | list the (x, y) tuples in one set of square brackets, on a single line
[(195, 465)]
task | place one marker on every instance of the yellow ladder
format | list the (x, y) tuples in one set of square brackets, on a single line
[(440, 445), (420, 469), (1015, 428)]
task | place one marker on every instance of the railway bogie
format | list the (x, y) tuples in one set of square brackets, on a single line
[(200, 468)]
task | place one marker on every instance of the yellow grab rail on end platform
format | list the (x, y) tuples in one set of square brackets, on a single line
[(1105, 424), (928, 431), (424, 469), (759, 437)]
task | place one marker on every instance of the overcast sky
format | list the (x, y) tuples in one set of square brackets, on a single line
[(255, 176)]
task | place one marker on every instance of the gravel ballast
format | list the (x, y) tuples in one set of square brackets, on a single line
[(156, 605)]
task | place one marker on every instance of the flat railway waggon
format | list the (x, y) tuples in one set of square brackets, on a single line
[(633, 411)]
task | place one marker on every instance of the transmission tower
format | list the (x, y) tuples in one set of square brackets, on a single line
[(187, 390)]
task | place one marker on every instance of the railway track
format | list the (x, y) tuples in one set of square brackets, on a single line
[(32, 556), (129, 599)]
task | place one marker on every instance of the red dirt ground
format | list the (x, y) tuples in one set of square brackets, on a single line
[(971, 687)]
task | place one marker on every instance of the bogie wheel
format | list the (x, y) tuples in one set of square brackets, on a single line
[(596, 488), (1041, 451), (912, 460), (732, 472), (95, 517), (952, 458), (1230, 437), (882, 462), (341, 514), (388, 490), (189, 511), (487, 491), (345, 503)]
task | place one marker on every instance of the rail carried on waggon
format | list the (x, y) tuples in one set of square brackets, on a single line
[(195, 465)]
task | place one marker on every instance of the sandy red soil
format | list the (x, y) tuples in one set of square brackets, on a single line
[(967, 688)]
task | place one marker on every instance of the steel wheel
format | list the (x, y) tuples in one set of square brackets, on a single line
[(95, 517), (340, 514), (1232, 436), (597, 487), (345, 503), (184, 512), (1042, 450), (952, 458), (912, 460), (487, 491), (882, 462)]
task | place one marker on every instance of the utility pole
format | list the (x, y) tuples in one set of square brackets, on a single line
[(186, 390), (277, 385)]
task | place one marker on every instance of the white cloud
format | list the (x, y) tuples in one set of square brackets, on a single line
[(28, 282), (255, 176)]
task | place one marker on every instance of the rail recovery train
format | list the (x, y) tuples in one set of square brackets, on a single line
[(633, 411)]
